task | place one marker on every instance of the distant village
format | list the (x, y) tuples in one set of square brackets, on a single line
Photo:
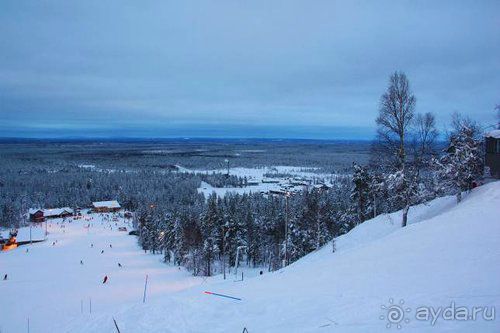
[(289, 185)]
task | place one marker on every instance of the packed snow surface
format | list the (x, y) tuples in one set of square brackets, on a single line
[(448, 253)]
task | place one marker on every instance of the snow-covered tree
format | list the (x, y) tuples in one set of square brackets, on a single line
[(210, 231), (404, 191), (462, 162), (361, 192)]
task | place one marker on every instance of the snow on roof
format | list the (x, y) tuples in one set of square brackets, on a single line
[(106, 204), (494, 134), (52, 211)]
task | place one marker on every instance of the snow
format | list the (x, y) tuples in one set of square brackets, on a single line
[(264, 185), (448, 252), (493, 134), (258, 173), (23, 234), (106, 204), (52, 211), (47, 284), (208, 189), (87, 166)]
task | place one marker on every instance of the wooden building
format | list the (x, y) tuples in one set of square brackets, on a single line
[(492, 152), (106, 206), (39, 215)]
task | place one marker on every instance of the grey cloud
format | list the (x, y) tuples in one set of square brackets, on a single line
[(71, 65)]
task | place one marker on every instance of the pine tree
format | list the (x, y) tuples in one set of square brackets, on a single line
[(360, 194), (210, 226)]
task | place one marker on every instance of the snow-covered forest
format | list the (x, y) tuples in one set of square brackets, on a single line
[(249, 166), (405, 165), (407, 168)]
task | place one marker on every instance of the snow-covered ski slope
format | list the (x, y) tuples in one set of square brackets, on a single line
[(49, 285), (448, 253)]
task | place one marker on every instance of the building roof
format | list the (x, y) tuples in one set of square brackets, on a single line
[(106, 204), (52, 211), (493, 134)]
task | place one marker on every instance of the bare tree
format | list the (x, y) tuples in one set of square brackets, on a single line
[(425, 135), (396, 112)]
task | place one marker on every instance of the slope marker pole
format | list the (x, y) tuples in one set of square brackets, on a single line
[(116, 325), (222, 295), (145, 286)]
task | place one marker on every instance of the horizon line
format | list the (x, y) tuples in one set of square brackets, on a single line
[(177, 138)]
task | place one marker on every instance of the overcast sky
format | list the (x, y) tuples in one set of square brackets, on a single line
[(260, 68)]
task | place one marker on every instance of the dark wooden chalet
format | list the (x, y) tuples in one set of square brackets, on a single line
[(492, 152), (39, 215)]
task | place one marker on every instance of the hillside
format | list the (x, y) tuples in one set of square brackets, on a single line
[(448, 253)]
